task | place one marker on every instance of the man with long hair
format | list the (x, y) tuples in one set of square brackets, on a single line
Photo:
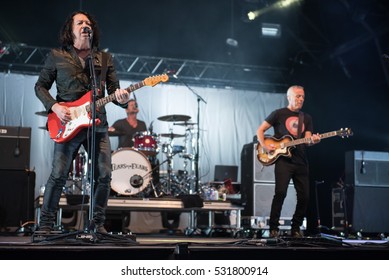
[(69, 68)]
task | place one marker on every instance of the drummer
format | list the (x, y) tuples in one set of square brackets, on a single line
[(128, 127)]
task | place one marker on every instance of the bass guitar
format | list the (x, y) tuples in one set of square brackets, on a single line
[(284, 145), (80, 111)]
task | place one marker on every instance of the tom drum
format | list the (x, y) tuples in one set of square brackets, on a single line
[(146, 143)]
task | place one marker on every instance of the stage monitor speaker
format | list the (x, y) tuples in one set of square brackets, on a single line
[(16, 197), (15, 143), (368, 209), (367, 168)]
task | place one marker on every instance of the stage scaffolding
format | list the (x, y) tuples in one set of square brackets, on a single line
[(21, 58)]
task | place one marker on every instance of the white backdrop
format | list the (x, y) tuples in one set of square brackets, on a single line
[(228, 120)]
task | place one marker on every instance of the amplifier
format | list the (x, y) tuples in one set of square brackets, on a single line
[(15, 144), (16, 197), (367, 168)]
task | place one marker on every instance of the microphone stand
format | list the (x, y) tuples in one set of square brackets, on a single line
[(196, 160), (91, 226)]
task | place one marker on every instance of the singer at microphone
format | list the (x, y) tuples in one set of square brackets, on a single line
[(86, 29)]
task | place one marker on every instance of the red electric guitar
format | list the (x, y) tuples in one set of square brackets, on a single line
[(80, 111)]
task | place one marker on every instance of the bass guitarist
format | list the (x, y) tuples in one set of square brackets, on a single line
[(289, 121)]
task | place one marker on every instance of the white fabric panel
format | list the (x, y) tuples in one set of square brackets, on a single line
[(228, 120)]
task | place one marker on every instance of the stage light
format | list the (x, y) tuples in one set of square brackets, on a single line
[(252, 15), (271, 30)]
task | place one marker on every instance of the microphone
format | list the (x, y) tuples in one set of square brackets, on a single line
[(87, 30), (362, 170), (151, 127), (170, 72), (17, 149)]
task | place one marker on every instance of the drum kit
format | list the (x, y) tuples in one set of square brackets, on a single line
[(147, 169)]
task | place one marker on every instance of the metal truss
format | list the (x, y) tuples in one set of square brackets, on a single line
[(21, 58)]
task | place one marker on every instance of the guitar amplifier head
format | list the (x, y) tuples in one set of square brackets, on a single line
[(15, 144)]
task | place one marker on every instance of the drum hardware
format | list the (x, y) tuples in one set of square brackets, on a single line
[(77, 173), (171, 135), (185, 123), (174, 118)]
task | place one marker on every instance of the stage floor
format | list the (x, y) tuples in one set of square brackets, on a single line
[(168, 246)]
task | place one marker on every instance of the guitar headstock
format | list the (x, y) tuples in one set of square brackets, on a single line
[(344, 132), (154, 80)]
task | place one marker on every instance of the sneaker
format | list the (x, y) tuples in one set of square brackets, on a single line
[(296, 233), (274, 233)]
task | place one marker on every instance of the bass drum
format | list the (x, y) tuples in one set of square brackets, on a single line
[(131, 172)]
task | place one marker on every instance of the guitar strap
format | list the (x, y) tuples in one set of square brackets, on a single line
[(300, 126)]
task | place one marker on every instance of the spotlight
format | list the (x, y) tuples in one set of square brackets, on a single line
[(252, 15)]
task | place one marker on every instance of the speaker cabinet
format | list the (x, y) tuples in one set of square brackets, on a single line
[(15, 144), (367, 168), (16, 197), (368, 209), (257, 186)]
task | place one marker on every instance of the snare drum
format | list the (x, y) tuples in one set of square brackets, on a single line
[(131, 171), (146, 143)]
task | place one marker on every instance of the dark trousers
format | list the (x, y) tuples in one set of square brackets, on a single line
[(64, 154), (285, 171)]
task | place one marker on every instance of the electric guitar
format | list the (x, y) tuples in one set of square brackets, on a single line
[(80, 111), (285, 144)]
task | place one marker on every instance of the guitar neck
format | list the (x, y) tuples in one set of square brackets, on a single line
[(308, 139), (112, 97)]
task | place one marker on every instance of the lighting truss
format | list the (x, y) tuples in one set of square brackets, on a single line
[(21, 58)]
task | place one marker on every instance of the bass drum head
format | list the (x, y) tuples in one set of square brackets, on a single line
[(131, 172)]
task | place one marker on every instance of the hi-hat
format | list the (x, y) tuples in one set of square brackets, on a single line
[(185, 123), (171, 135), (41, 113), (174, 118)]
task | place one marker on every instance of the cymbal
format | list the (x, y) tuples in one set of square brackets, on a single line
[(174, 118), (171, 135), (115, 133), (185, 123), (43, 127), (41, 113)]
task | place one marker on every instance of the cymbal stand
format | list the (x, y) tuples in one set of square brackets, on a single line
[(197, 154)]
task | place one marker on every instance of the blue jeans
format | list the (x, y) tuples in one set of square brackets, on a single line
[(64, 153)]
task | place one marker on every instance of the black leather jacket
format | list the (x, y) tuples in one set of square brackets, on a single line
[(72, 80)]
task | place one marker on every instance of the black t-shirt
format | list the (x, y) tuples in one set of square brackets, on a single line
[(285, 122), (122, 126)]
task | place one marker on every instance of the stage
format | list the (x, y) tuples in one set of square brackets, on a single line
[(86, 246)]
